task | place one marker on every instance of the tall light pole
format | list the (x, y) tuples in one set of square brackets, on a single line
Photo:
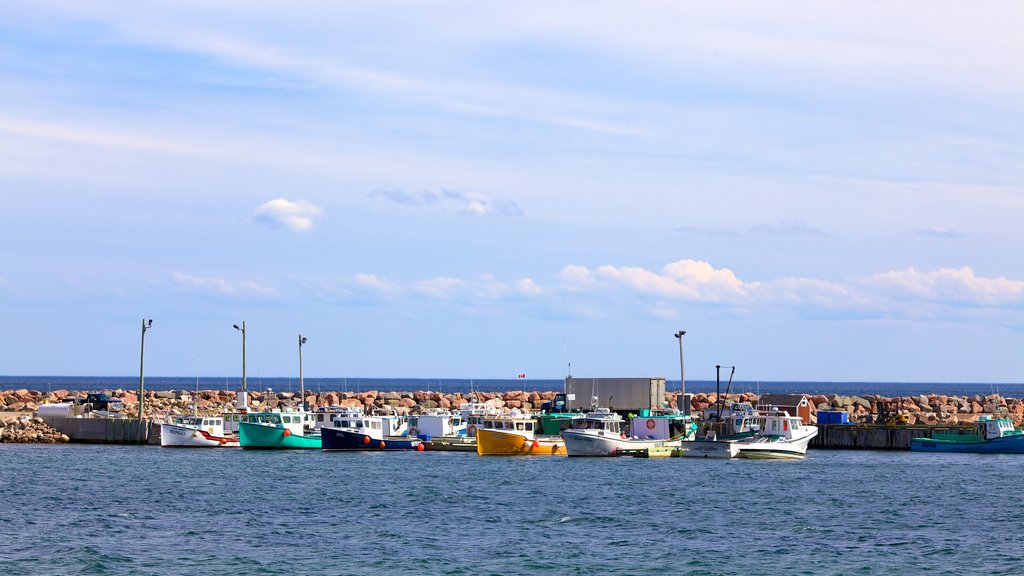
[(245, 390), (682, 373), (302, 384), (146, 325)]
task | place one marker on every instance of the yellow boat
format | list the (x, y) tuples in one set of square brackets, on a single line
[(513, 435)]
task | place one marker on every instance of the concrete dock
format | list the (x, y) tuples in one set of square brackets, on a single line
[(875, 437), (106, 430)]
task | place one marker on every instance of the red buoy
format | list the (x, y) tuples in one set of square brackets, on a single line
[(536, 444), (366, 439), (381, 444), (287, 432), (419, 447)]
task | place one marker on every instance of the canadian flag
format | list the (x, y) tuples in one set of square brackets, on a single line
[(522, 375)]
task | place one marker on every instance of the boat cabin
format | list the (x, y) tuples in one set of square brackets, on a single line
[(376, 427), (438, 423), (778, 423), (516, 424), (294, 422), (990, 428), (327, 415), (213, 425), (599, 419)]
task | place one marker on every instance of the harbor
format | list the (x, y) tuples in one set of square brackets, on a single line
[(850, 422)]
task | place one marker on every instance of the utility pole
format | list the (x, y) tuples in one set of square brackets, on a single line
[(146, 325), (245, 389)]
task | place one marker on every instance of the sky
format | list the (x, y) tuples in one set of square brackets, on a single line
[(812, 191)]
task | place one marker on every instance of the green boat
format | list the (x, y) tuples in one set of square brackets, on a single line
[(555, 416), (276, 431)]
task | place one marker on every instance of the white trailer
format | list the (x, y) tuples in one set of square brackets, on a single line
[(619, 394)]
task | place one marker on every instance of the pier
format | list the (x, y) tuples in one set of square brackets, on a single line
[(875, 437), (106, 430)]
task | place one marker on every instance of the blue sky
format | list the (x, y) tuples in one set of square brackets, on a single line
[(462, 189)]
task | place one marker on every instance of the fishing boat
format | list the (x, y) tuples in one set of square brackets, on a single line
[(365, 432), (515, 434), (989, 436), (443, 430), (196, 432), (724, 425), (708, 446), (599, 433), (780, 436), (278, 430)]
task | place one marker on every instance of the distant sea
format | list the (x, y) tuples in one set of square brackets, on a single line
[(451, 385)]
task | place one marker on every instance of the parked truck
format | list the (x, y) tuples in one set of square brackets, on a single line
[(99, 401), (618, 394)]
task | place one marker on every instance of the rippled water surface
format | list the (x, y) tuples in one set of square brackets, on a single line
[(79, 509)]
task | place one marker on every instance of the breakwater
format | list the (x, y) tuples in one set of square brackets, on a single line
[(881, 422), (924, 409)]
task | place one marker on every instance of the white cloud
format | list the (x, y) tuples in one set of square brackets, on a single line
[(221, 286), (951, 285), (297, 216), (438, 287), (684, 279), (484, 289), (471, 203), (892, 292), (938, 232), (377, 284)]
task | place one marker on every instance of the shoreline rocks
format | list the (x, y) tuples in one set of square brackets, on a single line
[(29, 429)]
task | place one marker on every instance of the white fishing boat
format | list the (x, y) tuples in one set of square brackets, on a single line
[(780, 436), (196, 432), (600, 433)]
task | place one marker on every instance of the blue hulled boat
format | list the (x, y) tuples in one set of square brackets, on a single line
[(349, 439), (990, 436)]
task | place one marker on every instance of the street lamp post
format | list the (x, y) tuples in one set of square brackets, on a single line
[(302, 384), (682, 373), (146, 325), (243, 401)]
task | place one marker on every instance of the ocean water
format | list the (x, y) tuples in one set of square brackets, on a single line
[(47, 383), (91, 509)]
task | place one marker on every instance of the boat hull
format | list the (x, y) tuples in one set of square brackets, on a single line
[(260, 437), (709, 449), (505, 443), (174, 436), (768, 448), (340, 439), (1005, 445), (601, 443), (451, 444)]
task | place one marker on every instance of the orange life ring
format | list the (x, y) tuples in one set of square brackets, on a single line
[(471, 429), (650, 424)]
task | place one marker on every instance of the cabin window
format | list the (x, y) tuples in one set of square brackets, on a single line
[(376, 425), (414, 421), (319, 417), (519, 426), (275, 419), (456, 421), (529, 426)]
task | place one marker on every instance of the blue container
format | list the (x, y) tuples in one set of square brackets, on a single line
[(424, 437), (840, 418), (825, 417)]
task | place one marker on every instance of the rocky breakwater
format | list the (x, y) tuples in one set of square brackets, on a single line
[(925, 409), (28, 429), (208, 402), (928, 410)]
